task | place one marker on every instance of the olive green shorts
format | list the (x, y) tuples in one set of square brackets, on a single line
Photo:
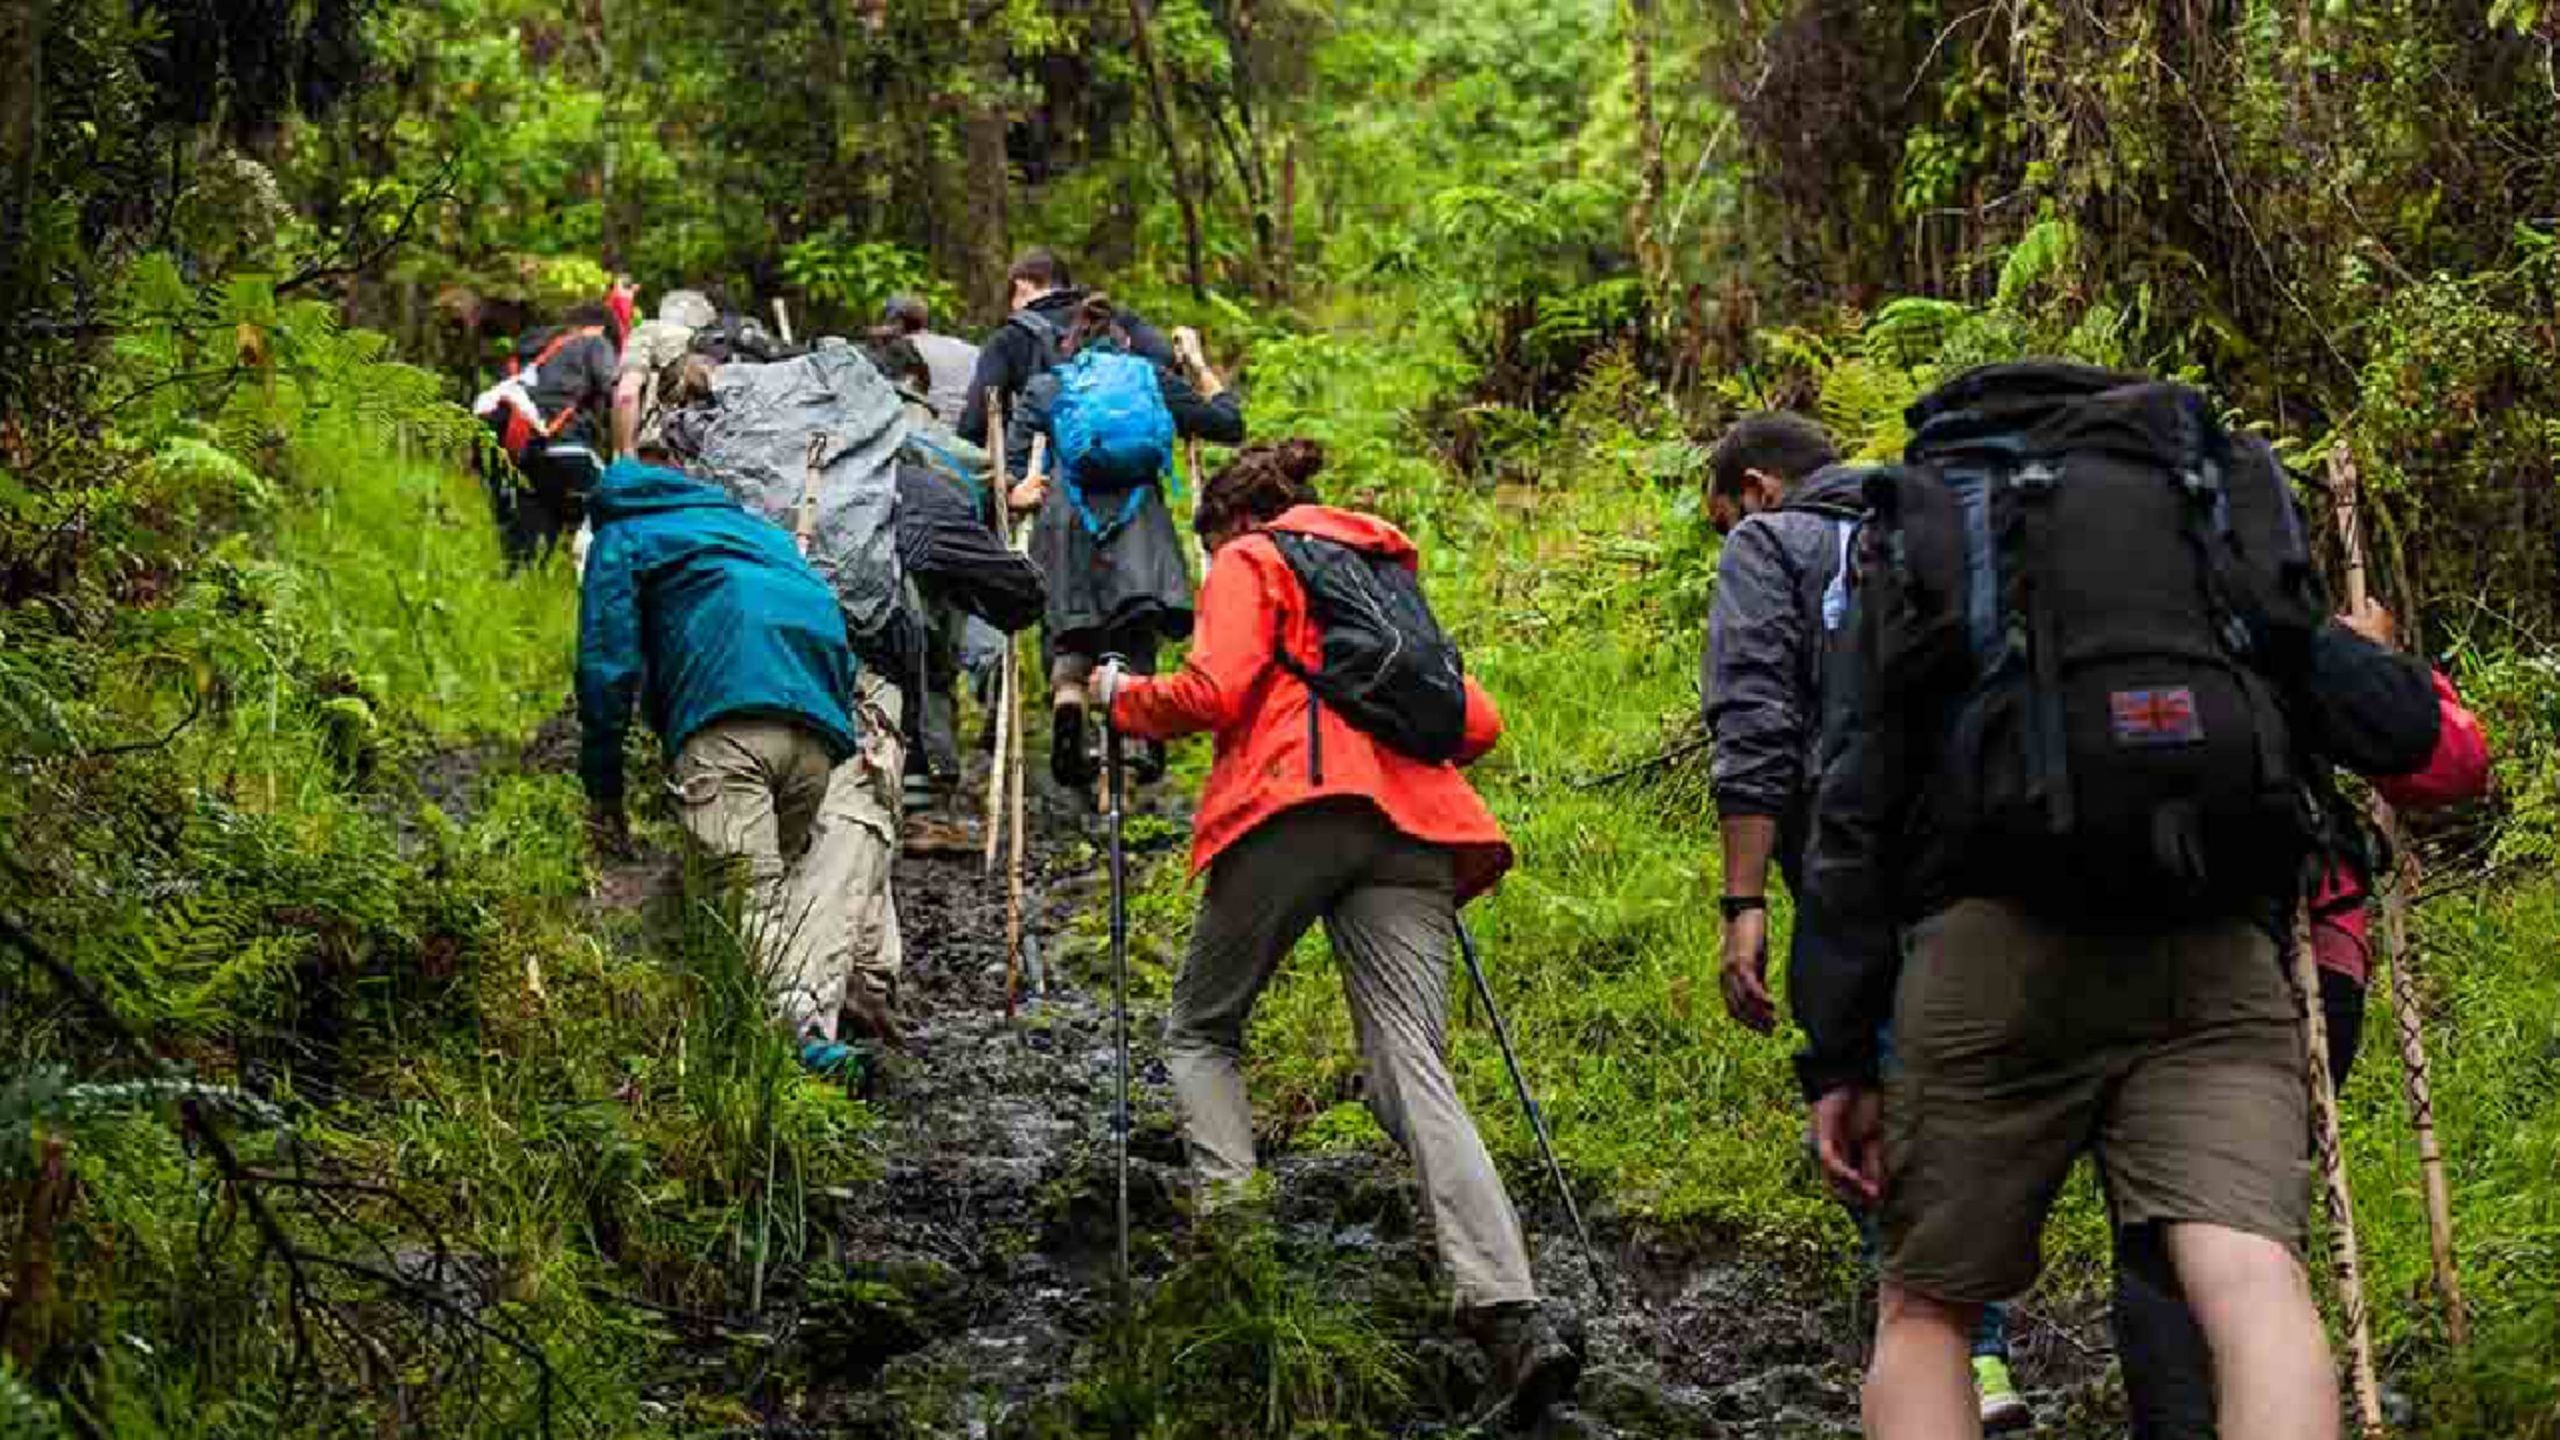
[(2176, 1059)]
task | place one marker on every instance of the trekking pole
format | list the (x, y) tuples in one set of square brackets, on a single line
[(2406, 1007), (1529, 1104), (1013, 781), (2343, 1253), (1115, 776), (1007, 680)]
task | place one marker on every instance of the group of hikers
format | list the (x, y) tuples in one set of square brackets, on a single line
[(2041, 727)]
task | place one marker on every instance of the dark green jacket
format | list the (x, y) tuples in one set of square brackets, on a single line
[(700, 611)]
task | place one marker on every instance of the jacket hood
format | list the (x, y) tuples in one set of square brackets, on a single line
[(630, 488), (1833, 487), (1354, 528)]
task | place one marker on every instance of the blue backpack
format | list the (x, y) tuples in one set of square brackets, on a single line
[(1113, 432)]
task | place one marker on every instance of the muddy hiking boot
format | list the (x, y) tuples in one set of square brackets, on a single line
[(873, 1015), (1070, 748), (1147, 762), (1529, 1366)]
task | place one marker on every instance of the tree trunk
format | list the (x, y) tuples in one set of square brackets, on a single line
[(1252, 155), (1288, 216), (989, 179), (1650, 186), (1185, 194), (22, 30)]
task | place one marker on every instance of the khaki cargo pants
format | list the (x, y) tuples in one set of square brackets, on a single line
[(1389, 906), (818, 845)]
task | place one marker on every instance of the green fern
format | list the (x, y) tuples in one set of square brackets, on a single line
[(25, 1415), (2040, 255)]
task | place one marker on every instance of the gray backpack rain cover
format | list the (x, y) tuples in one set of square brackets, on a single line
[(756, 444)]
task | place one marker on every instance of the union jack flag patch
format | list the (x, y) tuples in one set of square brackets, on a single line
[(2155, 717)]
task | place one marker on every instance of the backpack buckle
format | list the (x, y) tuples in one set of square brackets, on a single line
[(2035, 478)]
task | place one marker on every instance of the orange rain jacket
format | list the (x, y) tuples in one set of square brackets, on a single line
[(1256, 711)]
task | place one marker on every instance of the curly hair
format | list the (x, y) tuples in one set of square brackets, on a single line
[(1256, 486)]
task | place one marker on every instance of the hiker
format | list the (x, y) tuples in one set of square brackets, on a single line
[(1788, 512), (549, 411), (2168, 1368), (1042, 309), (1105, 538), (1308, 817), (735, 652), (648, 358), (813, 444), (2084, 699), (963, 572), (949, 360)]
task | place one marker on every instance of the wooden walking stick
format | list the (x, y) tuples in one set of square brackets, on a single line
[(1199, 479), (1005, 677), (1013, 764), (2343, 1253), (2406, 1006)]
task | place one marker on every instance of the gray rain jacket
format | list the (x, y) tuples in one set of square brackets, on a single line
[(1781, 584)]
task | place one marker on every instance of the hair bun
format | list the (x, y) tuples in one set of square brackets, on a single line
[(1300, 458)]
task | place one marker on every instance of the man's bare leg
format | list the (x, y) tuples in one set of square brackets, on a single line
[(1920, 1385), (2271, 1361)]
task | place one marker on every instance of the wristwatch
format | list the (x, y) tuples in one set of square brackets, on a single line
[(1737, 906)]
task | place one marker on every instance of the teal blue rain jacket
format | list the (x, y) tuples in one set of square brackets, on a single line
[(702, 611)]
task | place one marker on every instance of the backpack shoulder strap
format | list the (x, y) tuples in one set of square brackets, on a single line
[(1298, 553)]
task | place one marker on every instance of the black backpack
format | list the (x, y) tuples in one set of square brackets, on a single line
[(1386, 665), (2091, 592), (738, 337)]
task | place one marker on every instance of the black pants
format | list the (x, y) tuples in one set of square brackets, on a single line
[(547, 503), (2168, 1367)]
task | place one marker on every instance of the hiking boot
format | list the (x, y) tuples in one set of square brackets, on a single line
[(2004, 1411), (1148, 765), (1070, 760), (1528, 1365), (874, 1015)]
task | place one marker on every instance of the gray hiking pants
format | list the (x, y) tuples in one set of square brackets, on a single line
[(817, 843), (1389, 907)]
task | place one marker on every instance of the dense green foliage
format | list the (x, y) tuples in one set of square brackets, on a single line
[(263, 686)]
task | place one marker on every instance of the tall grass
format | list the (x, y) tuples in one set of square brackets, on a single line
[(587, 1111)]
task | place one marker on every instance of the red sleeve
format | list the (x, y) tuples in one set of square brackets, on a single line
[(1231, 640), (1484, 725), (2458, 770)]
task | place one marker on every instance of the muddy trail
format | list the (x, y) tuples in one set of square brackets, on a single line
[(966, 1289)]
